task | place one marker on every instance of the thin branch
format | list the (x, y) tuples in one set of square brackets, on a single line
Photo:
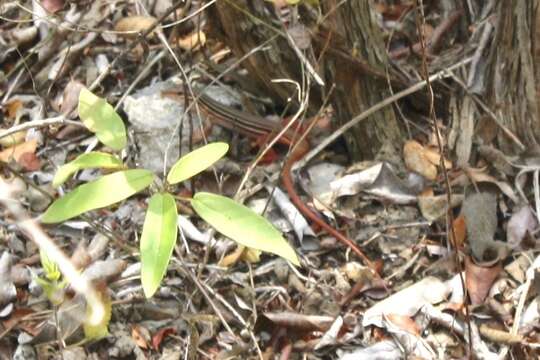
[(80, 283), (57, 120)]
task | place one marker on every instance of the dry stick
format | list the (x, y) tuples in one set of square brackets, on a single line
[(61, 119), (80, 283), (420, 26)]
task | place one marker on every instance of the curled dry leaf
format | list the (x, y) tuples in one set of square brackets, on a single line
[(417, 159), (141, 336), (434, 207), (12, 108), (241, 253), (30, 161), (435, 158), (158, 337), (16, 152), (192, 41), (460, 232), (330, 337), (409, 336), (131, 26), (522, 221), (12, 139), (354, 270), (291, 213), (389, 187), (70, 98), (499, 336), (479, 279), (300, 321), (480, 175), (408, 301)]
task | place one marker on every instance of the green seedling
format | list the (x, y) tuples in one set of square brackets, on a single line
[(159, 231)]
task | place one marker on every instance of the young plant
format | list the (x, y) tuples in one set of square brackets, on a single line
[(159, 231), (50, 282), (54, 288)]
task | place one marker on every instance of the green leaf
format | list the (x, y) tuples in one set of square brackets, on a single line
[(242, 225), (85, 161), (100, 118), (196, 161), (102, 192), (157, 241), (52, 273)]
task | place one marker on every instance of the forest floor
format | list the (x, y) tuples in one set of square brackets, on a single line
[(442, 282)]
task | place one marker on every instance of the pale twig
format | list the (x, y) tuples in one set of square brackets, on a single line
[(57, 120), (311, 71), (79, 282)]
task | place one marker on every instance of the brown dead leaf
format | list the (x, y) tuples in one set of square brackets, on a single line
[(141, 336), (232, 258), (30, 162), (522, 222), (132, 25), (15, 153), (241, 253), (299, 321), (434, 157), (12, 107), (460, 231), (416, 160), (500, 336), (158, 337), (12, 139), (70, 98), (192, 41), (434, 207), (17, 316), (479, 279), (479, 175)]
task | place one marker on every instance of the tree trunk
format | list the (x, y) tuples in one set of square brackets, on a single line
[(380, 134), (357, 71), (511, 73), (502, 76), (244, 25)]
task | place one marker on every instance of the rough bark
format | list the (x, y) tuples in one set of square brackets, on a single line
[(511, 73), (536, 47), (354, 62), (244, 25), (355, 92)]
